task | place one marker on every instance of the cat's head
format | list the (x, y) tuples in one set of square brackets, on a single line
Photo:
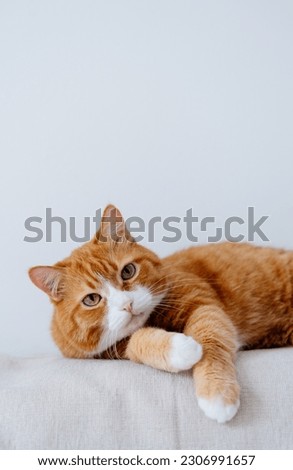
[(104, 291)]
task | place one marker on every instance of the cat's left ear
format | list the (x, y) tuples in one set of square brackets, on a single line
[(48, 279), (113, 226)]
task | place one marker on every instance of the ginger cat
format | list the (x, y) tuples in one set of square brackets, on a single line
[(114, 298)]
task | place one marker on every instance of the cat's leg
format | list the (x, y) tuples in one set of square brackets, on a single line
[(172, 352), (215, 378)]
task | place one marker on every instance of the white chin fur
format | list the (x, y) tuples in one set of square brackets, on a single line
[(216, 409), (110, 337), (119, 323)]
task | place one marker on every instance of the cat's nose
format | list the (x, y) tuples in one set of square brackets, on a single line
[(128, 307)]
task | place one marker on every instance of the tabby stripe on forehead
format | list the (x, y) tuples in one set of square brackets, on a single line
[(93, 276), (106, 266), (91, 285)]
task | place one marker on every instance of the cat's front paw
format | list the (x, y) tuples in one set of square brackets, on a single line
[(184, 352), (216, 408)]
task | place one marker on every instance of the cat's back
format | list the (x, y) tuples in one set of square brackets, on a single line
[(238, 271), (218, 256)]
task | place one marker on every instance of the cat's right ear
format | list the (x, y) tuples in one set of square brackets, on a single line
[(48, 279)]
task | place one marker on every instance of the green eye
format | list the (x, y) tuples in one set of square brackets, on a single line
[(128, 271), (91, 300)]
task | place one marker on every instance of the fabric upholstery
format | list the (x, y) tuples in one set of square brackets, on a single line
[(57, 403)]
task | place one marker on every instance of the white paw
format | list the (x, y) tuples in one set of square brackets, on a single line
[(215, 408), (184, 352)]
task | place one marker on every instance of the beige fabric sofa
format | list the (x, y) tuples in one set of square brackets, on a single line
[(56, 403)]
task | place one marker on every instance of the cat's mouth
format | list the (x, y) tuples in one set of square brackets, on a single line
[(134, 317), (137, 314)]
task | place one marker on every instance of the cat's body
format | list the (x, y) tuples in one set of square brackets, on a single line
[(253, 285), (194, 309)]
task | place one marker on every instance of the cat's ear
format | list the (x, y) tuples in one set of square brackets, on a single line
[(48, 279), (113, 226)]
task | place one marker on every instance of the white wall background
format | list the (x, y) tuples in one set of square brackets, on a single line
[(155, 105)]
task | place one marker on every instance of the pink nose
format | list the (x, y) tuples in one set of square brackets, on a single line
[(128, 307)]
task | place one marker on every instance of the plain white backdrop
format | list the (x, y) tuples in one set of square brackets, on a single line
[(154, 105)]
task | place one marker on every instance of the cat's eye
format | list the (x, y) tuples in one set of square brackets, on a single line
[(91, 300), (128, 271)]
